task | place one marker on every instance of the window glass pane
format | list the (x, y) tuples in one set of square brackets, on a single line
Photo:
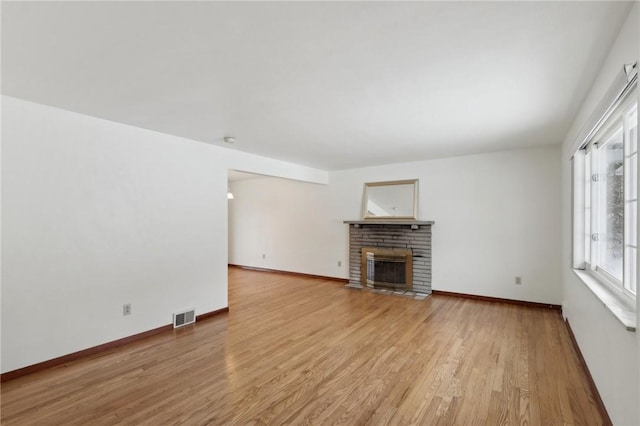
[(631, 223), (631, 212), (587, 208), (612, 248), (632, 182), (633, 130), (630, 260), (631, 152), (630, 270)]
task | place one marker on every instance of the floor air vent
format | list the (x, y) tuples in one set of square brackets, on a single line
[(184, 318)]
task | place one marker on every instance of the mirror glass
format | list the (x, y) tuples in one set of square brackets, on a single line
[(390, 200)]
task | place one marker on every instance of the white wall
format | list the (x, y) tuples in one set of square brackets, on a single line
[(497, 216), (611, 352), (286, 221), (97, 214)]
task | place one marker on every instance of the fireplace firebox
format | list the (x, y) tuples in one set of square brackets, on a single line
[(387, 268)]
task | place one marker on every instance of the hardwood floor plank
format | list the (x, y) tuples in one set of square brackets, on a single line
[(305, 351)]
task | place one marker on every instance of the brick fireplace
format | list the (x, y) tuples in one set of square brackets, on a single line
[(390, 240)]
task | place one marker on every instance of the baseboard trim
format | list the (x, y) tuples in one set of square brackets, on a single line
[(298, 274), (211, 314), (498, 300), (592, 383), (64, 359)]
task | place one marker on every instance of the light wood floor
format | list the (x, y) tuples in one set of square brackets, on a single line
[(308, 351)]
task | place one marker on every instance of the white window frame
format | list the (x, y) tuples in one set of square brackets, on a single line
[(630, 244), (589, 207)]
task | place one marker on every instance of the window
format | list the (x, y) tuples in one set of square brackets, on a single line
[(605, 178)]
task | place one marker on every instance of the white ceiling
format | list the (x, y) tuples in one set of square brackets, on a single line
[(331, 85)]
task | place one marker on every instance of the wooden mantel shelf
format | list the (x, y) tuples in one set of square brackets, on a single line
[(389, 222)]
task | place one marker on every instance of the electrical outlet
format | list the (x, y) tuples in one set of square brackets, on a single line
[(339, 263), (126, 309), (518, 280)]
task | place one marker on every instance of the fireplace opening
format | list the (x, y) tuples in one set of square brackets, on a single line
[(387, 268)]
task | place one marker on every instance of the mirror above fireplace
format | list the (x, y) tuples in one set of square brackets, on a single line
[(391, 200)]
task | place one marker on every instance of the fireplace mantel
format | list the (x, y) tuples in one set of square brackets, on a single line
[(389, 222), (415, 224)]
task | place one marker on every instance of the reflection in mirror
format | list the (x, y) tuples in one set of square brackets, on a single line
[(390, 200)]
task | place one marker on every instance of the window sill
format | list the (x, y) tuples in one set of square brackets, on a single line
[(619, 305)]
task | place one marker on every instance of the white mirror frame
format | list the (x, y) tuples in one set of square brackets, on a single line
[(412, 200)]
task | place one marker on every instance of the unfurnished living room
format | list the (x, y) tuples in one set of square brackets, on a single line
[(357, 213)]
